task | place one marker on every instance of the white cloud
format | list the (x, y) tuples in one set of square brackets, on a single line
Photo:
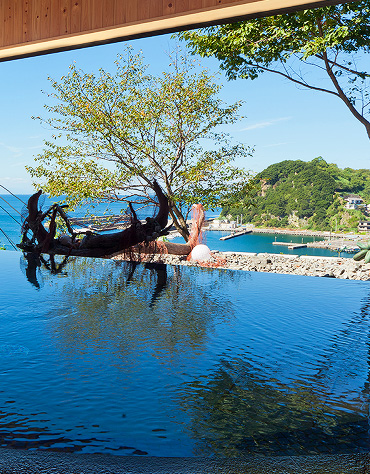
[(19, 151), (34, 147), (18, 164), (15, 180), (267, 123), (15, 150)]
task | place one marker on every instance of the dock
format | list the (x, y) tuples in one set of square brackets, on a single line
[(290, 245), (236, 234)]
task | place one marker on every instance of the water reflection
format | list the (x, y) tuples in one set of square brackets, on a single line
[(340, 365), (126, 305), (239, 410), (17, 431), (138, 359), (31, 263), (161, 271)]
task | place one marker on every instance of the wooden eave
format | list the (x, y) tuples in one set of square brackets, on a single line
[(34, 27)]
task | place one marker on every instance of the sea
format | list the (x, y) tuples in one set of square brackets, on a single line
[(13, 210)]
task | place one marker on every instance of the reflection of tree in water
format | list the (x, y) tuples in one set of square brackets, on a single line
[(31, 264), (343, 361), (238, 408), (117, 304)]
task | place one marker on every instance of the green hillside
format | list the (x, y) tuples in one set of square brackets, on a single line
[(306, 195)]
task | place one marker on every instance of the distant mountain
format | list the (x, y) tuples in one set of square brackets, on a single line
[(306, 195)]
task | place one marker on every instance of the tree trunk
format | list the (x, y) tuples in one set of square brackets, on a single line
[(138, 238), (178, 221), (92, 245)]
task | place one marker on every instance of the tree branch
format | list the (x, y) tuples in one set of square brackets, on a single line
[(340, 92), (341, 66), (296, 81)]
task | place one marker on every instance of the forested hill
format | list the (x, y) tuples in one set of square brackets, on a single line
[(306, 195)]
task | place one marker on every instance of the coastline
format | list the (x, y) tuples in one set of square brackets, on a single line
[(329, 267), (327, 240), (288, 264), (330, 240)]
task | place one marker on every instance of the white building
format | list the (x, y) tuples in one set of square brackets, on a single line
[(364, 226), (353, 201)]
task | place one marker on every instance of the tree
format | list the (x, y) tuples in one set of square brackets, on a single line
[(333, 39), (293, 188), (117, 133)]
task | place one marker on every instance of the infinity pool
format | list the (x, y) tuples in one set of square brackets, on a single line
[(103, 357)]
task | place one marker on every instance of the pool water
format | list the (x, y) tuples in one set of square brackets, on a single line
[(103, 357)]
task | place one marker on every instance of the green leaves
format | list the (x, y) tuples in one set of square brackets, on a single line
[(116, 133), (264, 40), (333, 38), (364, 253), (293, 190)]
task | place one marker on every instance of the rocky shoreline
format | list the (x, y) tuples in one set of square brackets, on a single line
[(329, 267)]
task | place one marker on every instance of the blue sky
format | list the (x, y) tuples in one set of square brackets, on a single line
[(282, 122)]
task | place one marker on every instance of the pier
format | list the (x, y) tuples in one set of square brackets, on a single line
[(236, 234), (290, 245)]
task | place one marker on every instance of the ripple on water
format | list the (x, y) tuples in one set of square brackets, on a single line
[(13, 351), (199, 362)]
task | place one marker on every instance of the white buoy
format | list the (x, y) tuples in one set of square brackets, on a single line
[(200, 253)]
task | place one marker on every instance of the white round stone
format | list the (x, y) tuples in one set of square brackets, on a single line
[(200, 253)]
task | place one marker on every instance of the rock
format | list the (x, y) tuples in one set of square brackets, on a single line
[(329, 267)]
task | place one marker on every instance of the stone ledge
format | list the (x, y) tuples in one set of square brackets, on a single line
[(287, 264), (46, 462)]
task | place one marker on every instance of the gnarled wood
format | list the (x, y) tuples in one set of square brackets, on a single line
[(137, 238), (92, 245)]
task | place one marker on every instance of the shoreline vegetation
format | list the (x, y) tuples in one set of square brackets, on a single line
[(313, 195)]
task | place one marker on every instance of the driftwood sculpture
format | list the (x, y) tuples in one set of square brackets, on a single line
[(137, 238)]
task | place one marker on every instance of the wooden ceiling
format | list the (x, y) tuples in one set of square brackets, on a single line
[(32, 27)]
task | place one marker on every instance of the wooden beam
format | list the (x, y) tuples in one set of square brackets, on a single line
[(34, 27)]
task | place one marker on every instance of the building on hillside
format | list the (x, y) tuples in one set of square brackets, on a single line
[(364, 226), (218, 224), (353, 201)]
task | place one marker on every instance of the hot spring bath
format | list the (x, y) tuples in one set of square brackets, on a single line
[(180, 361)]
